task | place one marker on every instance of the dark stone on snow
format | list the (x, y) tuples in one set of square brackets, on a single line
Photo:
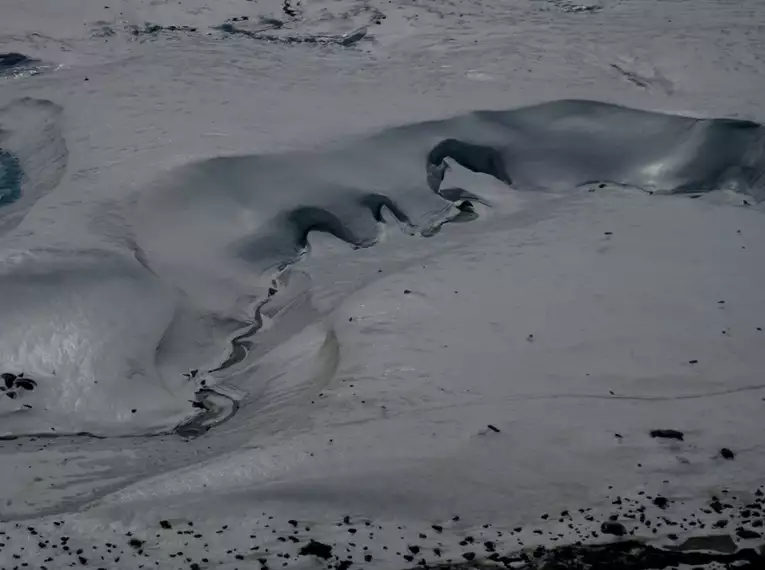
[(318, 549), (661, 502), (727, 453), (614, 528), (668, 434)]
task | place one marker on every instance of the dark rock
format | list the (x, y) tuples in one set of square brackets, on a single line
[(727, 453), (437, 528), (668, 434), (661, 502), (493, 428), (614, 528), (135, 543), (318, 549), (468, 556)]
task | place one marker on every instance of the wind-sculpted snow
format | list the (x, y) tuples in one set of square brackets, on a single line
[(557, 146), (33, 157), (157, 336)]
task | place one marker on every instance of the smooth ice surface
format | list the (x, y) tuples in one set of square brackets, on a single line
[(293, 259)]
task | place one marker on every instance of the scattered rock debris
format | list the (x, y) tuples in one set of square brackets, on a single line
[(695, 541)]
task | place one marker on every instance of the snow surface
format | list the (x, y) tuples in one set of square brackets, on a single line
[(198, 356)]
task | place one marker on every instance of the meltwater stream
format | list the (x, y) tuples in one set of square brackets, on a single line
[(146, 335), (10, 177)]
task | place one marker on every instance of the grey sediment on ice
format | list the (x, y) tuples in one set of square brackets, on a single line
[(265, 33)]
